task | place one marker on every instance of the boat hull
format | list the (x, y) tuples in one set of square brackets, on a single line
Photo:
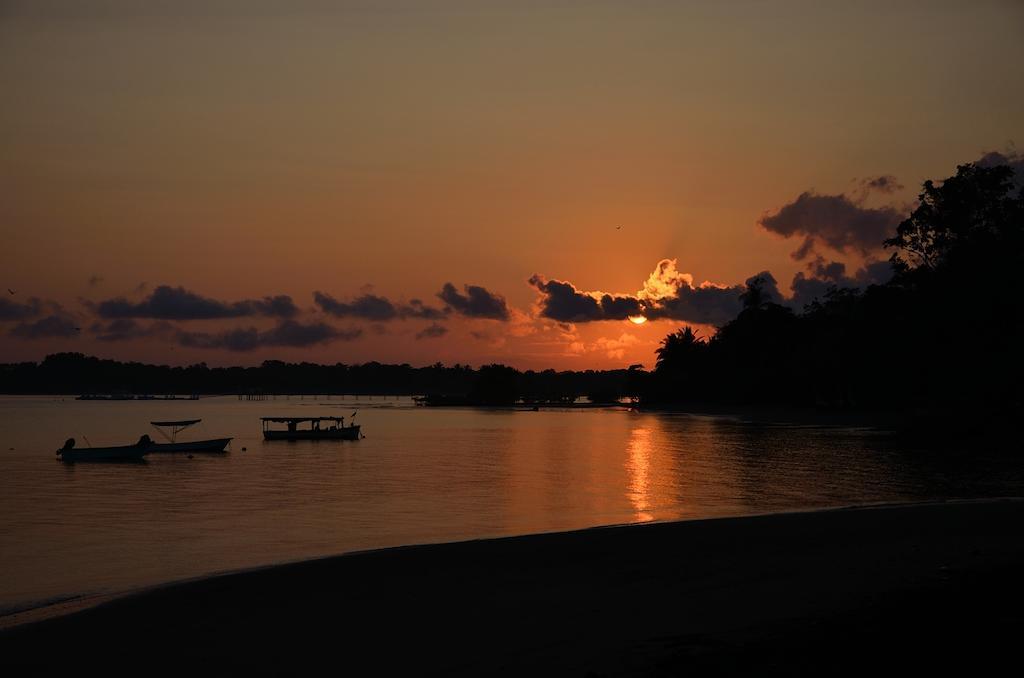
[(124, 453), (343, 433), (214, 445)]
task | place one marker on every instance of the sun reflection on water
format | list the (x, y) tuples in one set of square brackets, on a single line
[(638, 468)]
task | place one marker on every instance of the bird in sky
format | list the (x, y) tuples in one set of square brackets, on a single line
[(10, 290), (618, 228)]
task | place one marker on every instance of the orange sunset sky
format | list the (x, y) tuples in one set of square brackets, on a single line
[(168, 166)]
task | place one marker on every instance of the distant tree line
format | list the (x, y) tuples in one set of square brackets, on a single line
[(75, 373)]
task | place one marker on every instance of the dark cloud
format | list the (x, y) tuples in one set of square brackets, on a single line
[(706, 305), (287, 333), (126, 329), (822, 277), (55, 325), (417, 309), (374, 307), (874, 273), (835, 221), (1011, 158), (885, 183), (477, 302), (618, 306), (671, 295), (433, 331), (177, 303), (368, 307), (278, 306), (769, 287), (561, 301), (13, 310), (844, 223), (808, 288), (667, 294)]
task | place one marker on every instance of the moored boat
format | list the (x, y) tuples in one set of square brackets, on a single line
[(134, 452), (320, 428), (212, 445), (172, 444)]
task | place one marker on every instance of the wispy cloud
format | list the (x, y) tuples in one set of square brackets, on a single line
[(374, 307), (287, 333)]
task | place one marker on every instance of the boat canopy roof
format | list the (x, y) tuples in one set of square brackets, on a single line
[(285, 420), (185, 422)]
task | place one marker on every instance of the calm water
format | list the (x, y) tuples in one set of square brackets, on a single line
[(420, 475)]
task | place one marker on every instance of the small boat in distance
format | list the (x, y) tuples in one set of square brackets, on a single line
[(320, 428), (134, 452), (172, 444)]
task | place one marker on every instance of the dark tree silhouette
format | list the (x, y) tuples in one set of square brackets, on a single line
[(495, 385), (958, 259), (941, 341), (678, 349), (77, 373), (971, 215)]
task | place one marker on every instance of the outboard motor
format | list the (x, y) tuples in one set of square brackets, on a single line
[(68, 444)]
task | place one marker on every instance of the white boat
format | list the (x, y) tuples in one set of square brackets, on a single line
[(172, 444), (134, 452)]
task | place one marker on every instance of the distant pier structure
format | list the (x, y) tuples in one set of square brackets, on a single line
[(315, 396)]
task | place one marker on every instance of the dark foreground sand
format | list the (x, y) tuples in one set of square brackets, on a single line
[(924, 589)]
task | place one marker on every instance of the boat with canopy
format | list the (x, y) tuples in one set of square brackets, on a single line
[(320, 428), (173, 428)]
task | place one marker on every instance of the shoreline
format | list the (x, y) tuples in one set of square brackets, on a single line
[(67, 604), (536, 602)]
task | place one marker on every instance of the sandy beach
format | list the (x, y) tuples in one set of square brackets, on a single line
[(932, 587)]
